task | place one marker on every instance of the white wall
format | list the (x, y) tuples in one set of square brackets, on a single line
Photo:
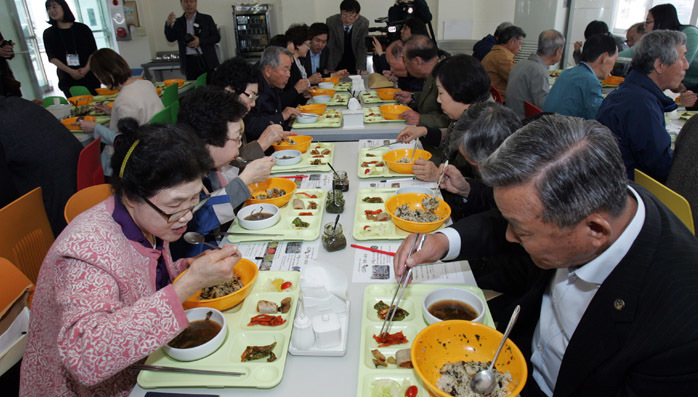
[(480, 17)]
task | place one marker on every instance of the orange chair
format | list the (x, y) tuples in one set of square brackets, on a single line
[(85, 199), (90, 170), (25, 234), (13, 284), (496, 95), (531, 109)]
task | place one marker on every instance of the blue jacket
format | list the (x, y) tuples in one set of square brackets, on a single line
[(635, 114), (576, 92), (482, 47)]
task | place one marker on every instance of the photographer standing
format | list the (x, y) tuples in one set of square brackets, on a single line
[(404, 9), (196, 35)]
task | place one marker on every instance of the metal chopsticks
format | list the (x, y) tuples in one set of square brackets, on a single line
[(402, 284), (147, 367)]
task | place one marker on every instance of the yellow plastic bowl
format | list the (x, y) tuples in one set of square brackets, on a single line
[(261, 187), (106, 91), (444, 342), (319, 91), (246, 270), (180, 82), (334, 80), (302, 143), (158, 90), (72, 122), (414, 200), (81, 100), (391, 158), (387, 94), (613, 80), (392, 112), (316, 108)]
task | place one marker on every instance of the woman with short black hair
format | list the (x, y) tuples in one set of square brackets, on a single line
[(461, 81), (105, 297), (69, 45)]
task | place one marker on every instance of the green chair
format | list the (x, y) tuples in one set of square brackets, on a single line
[(170, 95), (79, 90), (162, 117), (48, 101), (201, 80), (175, 110)]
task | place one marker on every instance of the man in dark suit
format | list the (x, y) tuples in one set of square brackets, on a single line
[(606, 276), (347, 38), (316, 59), (196, 35)]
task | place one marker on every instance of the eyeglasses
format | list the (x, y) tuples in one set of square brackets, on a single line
[(172, 218), (647, 22), (252, 97), (238, 139)]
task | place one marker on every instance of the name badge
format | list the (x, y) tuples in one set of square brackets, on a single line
[(73, 59)]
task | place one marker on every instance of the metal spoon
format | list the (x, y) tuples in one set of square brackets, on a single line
[(483, 382), (197, 238)]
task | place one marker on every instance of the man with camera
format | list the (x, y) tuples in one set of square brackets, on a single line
[(196, 35), (9, 86)]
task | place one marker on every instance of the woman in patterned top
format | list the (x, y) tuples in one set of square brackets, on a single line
[(105, 299)]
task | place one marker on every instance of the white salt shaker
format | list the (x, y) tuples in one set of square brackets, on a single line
[(303, 334), (328, 331)]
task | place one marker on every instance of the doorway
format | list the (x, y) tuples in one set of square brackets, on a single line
[(33, 20)]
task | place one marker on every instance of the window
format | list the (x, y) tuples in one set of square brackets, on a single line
[(630, 12)]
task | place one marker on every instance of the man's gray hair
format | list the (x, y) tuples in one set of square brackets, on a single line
[(574, 164), (501, 27), (482, 128), (550, 41), (272, 56), (657, 44)]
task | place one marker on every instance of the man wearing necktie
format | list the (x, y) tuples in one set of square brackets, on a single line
[(347, 39)]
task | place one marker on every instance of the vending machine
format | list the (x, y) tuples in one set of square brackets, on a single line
[(252, 29)]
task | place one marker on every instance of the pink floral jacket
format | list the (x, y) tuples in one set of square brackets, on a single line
[(96, 311)]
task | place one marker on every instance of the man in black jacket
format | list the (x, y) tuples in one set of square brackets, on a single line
[(609, 275), (275, 70), (196, 35)]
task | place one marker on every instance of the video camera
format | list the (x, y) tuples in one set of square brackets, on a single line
[(391, 32)]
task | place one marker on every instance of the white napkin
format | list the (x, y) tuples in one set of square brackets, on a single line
[(324, 290), (354, 104)]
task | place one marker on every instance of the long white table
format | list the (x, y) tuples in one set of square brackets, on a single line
[(314, 375)]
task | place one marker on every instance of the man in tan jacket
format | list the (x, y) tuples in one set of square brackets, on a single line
[(499, 61)]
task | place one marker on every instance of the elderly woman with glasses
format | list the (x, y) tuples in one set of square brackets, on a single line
[(215, 116), (105, 297)]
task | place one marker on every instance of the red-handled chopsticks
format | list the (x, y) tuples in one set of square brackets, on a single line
[(373, 250), (294, 176)]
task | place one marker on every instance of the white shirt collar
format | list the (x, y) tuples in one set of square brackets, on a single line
[(600, 267)]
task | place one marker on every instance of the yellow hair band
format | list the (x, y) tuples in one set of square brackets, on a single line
[(128, 154)]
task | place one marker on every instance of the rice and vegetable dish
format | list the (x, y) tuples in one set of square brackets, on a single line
[(455, 379), (221, 290), (418, 214)]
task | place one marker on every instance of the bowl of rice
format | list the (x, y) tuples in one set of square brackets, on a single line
[(417, 213), (229, 294), (447, 354)]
